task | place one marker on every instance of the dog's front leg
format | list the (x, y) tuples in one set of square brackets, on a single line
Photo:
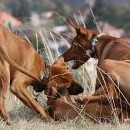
[(20, 90), (105, 94)]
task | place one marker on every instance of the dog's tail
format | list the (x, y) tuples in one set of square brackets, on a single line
[(16, 66)]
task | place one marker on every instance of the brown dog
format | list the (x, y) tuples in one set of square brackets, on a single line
[(61, 77), (20, 66), (87, 44), (62, 108), (115, 73)]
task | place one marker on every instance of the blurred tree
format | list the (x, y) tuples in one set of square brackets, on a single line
[(100, 11), (63, 9), (124, 18), (37, 6), (23, 8), (2, 6), (118, 17), (19, 9)]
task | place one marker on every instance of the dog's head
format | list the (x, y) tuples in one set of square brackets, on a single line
[(61, 77), (80, 44)]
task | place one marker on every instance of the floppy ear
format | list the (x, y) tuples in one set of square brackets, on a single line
[(78, 28), (75, 88)]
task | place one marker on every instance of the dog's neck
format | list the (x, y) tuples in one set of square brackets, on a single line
[(93, 41), (96, 38)]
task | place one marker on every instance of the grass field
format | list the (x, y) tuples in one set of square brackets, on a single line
[(24, 119)]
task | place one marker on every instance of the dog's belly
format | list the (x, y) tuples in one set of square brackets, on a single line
[(125, 93), (124, 90)]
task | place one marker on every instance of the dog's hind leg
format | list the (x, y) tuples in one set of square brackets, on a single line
[(4, 88)]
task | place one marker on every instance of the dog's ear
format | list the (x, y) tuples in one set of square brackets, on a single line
[(78, 28), (75, 88), (72, 23)]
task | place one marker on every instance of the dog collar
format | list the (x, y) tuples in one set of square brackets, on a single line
[(95, 40)]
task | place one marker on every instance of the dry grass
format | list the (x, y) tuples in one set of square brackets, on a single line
[(24, 119)]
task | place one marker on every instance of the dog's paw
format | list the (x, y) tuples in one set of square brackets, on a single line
[(126, 120), (80, 100)]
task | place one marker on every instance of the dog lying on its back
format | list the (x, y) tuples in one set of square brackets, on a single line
[(62, 108)]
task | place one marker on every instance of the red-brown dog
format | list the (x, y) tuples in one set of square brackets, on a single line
[(62, 108), (20, 66), (61, 77), (87, 44)]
